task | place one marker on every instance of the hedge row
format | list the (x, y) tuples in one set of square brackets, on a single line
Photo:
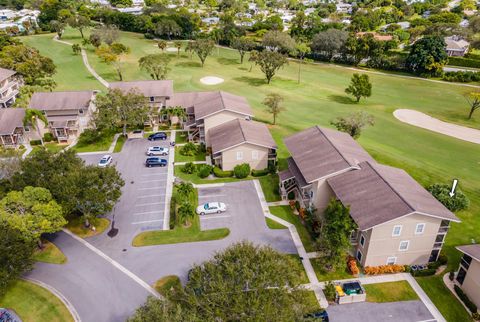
[(471, 306), (424, 272), (464, 62)]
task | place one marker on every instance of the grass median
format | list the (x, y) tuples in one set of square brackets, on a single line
[(50, 254), (34, 303)]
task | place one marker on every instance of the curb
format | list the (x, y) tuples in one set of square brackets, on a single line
[(59, 295)]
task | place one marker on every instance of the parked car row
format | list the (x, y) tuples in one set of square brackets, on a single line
[(156, 151)]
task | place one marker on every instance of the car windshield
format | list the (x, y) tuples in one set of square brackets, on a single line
[(103, 161)]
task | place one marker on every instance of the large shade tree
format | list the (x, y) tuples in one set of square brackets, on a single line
[(156, 65), (120, 109), (329, 43), (269, 62), (32, 211), (242, 283), (427, 56), (17, 254), (203, 48)]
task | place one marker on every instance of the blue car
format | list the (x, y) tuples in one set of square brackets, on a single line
[(155, 162), (321, 316), (157, 136)]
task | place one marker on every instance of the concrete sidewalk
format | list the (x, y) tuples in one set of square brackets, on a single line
[(312, 277)]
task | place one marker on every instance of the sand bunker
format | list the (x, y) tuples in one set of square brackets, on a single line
[(172, 49), (211, 80)]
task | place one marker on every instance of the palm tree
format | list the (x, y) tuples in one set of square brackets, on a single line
[(32, 117), (185, 188), (185, 212), (162, 44), (178, 45)]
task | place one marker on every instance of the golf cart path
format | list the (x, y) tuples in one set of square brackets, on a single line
[(430, 123)]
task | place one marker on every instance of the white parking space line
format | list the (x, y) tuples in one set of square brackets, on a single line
[(154, 174), (148, 196), (213, 217), (149, 204), (146, 222), (151, 188), (211, 196), (148, 181), (147, 213)]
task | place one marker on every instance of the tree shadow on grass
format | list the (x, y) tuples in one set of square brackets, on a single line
[(251, 80), (228, 61), (341, 99), (189, 64)]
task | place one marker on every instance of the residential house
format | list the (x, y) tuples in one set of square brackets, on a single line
[(468, 275), (12, 131), (456, 46), (317, 154), (242, 141), (398, 221), (157, 93), (67, 113), (206, 110), (10, 83)]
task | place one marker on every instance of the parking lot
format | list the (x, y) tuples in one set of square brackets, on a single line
[(244, 216), (406, 311), (142, 205)]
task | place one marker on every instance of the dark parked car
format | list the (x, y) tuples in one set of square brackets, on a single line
[(157, 136), (156, 162), (321, 316)]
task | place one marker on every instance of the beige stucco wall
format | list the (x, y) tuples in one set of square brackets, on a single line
[(229, 157), (218, 119), (322, 193), (471, 284), (383, 245)]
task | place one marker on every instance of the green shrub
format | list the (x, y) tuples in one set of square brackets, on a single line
[(48, 137), (35, 142), (219, 173), (434, 265), (204, 170), (329, 291), (451, 275), (471, 306), (260, 173), (463, 62), (272, 168), (89, 136), (442, 259), (461, 76), (202, 148), (424, 272), (21, 147), (291, 195), (189, 149), (189, 168), (476, 316), (441, 191), (241, 171)]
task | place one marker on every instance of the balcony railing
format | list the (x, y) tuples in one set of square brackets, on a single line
[(443, 229), (438, 245)]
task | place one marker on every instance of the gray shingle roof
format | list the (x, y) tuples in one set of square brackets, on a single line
[(10, 119), (377, 194), (239, 131), (49, 101), (149, 88), (220, 101), (471, 250), (319, 152), (6, 73)]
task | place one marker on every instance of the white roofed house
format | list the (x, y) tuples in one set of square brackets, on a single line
[(10, 83), (67, 113)]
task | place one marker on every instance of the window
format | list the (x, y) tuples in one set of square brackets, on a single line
[(239, 155), (397, 230), (27, 128), (80, 111), (391, 260), (404, 245), (254, 155), (362, 240), (152, 98), (359, 255), (419, 229)]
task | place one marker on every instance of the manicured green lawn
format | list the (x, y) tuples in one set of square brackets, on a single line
[(286, 213), (390, 292), (51, 146), (119, 145), (324, 275), (311, 302), (269, 185), (200, 156), (101, 145), (272, 224), (77, 227), (34, 303), (451, 309), (167, 283), (71, 72), (181, 137), (50, 254)]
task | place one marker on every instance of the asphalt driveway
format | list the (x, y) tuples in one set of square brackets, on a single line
[(142, 205), (406, 311)]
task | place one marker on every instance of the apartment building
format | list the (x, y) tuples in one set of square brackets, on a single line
[(468, 274), (10, 83)]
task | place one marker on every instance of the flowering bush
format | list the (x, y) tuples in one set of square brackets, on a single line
[(384, 269), (352, 266)]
